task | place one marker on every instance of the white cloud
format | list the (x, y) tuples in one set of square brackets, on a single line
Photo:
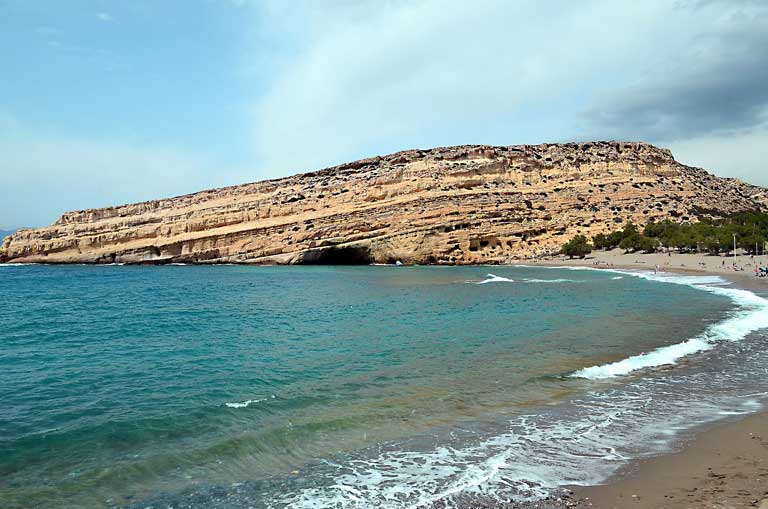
[(104, 16), (368, 77), (714, 84), (356, 79)]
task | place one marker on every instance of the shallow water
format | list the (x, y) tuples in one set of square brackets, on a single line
[(354, 386)]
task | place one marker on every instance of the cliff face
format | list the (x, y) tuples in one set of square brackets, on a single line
[(466, 204)]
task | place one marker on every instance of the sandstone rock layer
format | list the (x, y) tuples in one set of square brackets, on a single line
[(456, 205)]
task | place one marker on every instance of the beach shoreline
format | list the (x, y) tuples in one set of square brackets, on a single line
[(678, 263), (723, 464)]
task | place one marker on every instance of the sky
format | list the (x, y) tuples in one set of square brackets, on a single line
[(104, 102)]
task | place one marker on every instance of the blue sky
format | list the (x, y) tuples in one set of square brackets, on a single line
[(107, 102), (144, 73)]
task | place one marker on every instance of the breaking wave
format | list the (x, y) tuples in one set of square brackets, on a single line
[(492, 278), (581, 442), (751, 315)]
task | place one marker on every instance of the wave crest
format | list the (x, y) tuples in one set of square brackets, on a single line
[(752, 315), (493, 278)]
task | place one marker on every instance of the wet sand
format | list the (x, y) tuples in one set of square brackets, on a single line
[(725, 467)]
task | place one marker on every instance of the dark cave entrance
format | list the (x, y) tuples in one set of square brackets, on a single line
[(347, 255)]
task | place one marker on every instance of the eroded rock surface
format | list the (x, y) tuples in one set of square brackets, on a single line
[(458, 205)]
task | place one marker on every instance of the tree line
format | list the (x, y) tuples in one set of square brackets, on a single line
[(713, 236)]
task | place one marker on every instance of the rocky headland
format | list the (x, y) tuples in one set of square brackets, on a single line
[(451, 205)]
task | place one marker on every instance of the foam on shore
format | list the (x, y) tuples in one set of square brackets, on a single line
[(751, 315), (580, 442)]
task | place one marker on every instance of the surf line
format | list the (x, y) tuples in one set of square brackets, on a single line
[(751, 315)]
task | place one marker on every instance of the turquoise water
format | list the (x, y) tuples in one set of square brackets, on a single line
[(122, 383)]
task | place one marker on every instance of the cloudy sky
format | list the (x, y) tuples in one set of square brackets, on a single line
[(105, 102)]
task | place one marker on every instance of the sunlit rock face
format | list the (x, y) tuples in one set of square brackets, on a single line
[(453, 205)]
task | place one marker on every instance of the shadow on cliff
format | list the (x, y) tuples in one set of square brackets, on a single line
[(347, 255)]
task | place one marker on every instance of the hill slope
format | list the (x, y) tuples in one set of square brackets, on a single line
[(465, 204)]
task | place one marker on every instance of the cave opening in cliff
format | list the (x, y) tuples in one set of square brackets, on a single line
[(348, 255)]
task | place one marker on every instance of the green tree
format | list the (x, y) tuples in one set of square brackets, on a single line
[(653, 229), (711, 244), (711, 235), (615, 238), (647, 244), (601, 241), (630, 230), (631, 243), (577, 246)]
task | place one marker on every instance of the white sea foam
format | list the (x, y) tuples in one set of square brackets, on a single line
[(244, 404), (560, 280), (582, 446), (659, 357), (492, 278), (751, 315)]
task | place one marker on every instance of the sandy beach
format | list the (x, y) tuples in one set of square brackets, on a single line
[(740, 271), (722, 467)]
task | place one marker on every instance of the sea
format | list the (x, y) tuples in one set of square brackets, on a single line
[(341, 387)]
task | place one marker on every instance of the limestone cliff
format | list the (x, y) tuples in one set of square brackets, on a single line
[(465, 204)]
